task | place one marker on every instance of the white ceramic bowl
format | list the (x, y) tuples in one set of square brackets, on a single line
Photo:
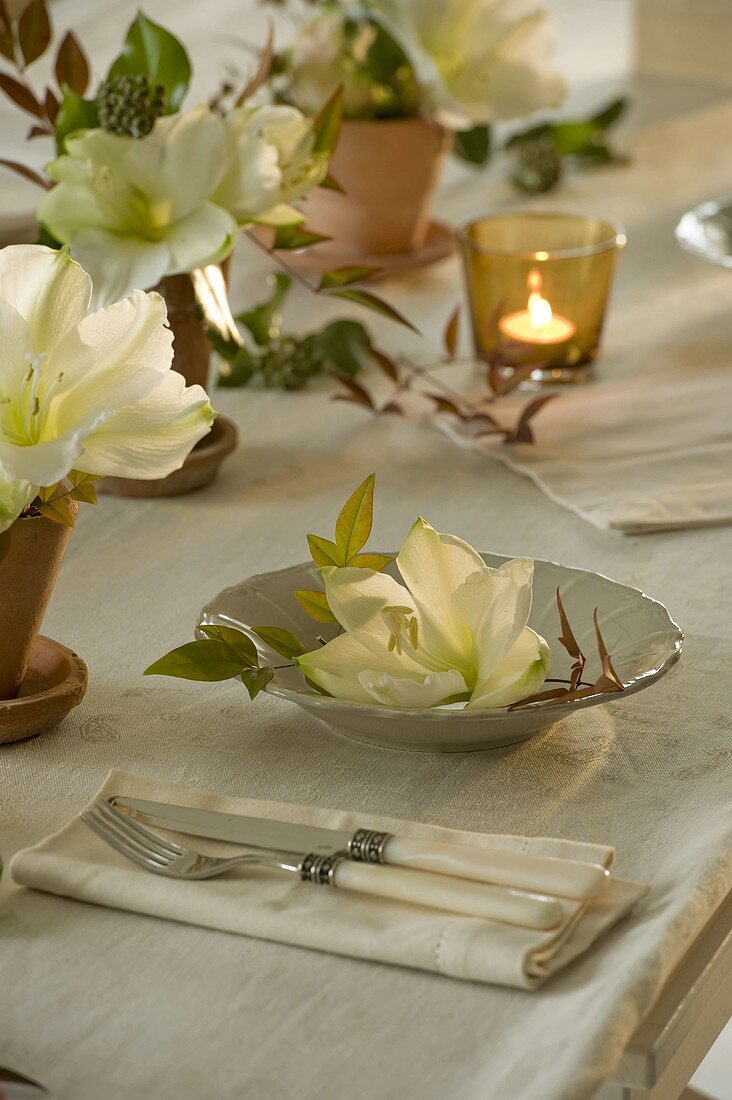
[(641, 636)]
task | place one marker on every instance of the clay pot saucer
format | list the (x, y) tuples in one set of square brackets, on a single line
[(320, 258), (54, 684), (198, 470)]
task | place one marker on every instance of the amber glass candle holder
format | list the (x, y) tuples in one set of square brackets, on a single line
[(538, 286)]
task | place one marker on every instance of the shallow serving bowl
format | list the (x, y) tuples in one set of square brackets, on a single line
[(641, 636)]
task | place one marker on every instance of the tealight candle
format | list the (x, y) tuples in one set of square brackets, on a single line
[(538, 285), (537, 324)]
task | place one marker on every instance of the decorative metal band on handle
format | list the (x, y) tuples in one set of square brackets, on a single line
[(367, 846), (319, 869)]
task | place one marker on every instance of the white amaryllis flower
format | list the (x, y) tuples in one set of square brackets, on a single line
[(324, 56), (135, 209), (270, 162), (84, 391), (457, 631), (478, 61)]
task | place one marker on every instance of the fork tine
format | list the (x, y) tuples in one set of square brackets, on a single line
[(101, 829), (132, 827), (125, 837)]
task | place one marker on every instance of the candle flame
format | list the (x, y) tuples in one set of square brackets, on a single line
[(539, 309)]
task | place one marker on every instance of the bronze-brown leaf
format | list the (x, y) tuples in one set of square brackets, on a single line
[(72, 67), (34, 31)]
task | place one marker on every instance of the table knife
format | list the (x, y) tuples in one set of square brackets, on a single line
[(564, 878)]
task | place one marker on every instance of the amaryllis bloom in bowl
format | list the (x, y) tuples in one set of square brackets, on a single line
[(434, 652), (455, 631)]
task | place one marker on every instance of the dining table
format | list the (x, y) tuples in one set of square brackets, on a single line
[(101, 1003)]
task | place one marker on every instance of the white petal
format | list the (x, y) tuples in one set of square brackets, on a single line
[(495, 605), (119, 265), (92, 189), (357, 598), (433, 566), (44, 463), (336, 667), (427, 690), (521, 673), (153, 437), (47, 288), (16, 342), (113, 358), (347, 669), (206, 236), (14, 496), (179, 163)]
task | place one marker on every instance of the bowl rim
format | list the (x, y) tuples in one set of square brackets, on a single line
[(379, 711)]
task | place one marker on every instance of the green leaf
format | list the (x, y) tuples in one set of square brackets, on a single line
[(331, 184), (474, 145), (534, 133), (315, 604), (371, 561), (573, 138), (355, 519), (74, 114), (151, 51), (206, 659), (344, 276), (240, 643), (34, 31), (291, 237), (85, 493), (343, 346), (370, 301), (609, 115), (327, 123), (263, 317), (58, 510), (281, 641), (254, 679), (324, 552)]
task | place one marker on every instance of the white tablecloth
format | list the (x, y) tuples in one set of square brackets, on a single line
[(100, 1003)]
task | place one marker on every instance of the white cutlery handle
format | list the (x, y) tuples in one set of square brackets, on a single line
[(565, 878), (470, 899)]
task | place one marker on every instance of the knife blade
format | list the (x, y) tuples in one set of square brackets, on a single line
[(566, 878)]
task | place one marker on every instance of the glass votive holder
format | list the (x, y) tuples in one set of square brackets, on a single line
[(538, 285)]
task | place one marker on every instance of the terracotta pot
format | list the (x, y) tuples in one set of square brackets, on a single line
[(191, 349), (389, 170), (30, 556)]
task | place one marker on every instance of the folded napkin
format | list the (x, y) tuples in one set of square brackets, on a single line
[(76, 863), (637, 455)]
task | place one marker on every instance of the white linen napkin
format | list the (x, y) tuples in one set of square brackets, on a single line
[(635, 456), (266, 904)]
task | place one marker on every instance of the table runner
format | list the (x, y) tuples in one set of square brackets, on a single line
[(137, 1007), (636, 456)]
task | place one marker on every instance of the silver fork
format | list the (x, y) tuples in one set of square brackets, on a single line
[(165, 857)]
